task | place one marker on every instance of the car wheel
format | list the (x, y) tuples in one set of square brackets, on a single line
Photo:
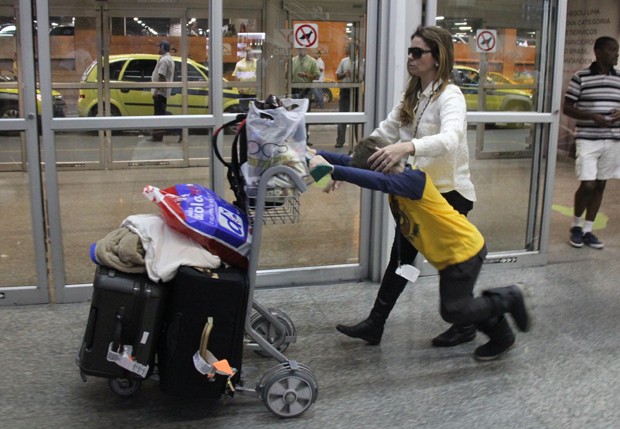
[(327, 95), (516, 107), (9, 111)]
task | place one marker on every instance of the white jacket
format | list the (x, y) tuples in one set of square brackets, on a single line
[(441, 141)]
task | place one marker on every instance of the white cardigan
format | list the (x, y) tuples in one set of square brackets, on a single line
[(441, 141)]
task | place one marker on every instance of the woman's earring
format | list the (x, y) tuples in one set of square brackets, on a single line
[(436, 64)]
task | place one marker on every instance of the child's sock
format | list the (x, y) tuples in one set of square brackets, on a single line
[(587, 226)]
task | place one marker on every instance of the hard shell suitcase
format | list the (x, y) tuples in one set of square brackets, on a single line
[(126, 316), (195, 296)]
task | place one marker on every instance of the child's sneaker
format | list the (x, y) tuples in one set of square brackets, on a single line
[(591, 240), (576, 236)]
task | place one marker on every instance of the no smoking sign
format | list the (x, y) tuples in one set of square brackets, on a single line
[(306, 35), (486, 41)]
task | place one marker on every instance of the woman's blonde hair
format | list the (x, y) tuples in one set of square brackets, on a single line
[(439, 40)]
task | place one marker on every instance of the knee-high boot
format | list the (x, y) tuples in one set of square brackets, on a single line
[(501, 339), (509, 299), (371, 328)]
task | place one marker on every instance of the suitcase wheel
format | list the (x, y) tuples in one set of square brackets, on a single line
[(124, 386), (288, 392), (268, 330)]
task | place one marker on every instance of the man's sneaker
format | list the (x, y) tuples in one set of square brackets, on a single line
[(591, 240), (576, 236)]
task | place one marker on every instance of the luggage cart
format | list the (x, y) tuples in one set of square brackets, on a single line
[(289, 388)]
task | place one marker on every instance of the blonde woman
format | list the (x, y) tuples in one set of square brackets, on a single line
[(429, 128)]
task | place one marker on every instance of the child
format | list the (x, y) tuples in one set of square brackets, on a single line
[(445, 237)]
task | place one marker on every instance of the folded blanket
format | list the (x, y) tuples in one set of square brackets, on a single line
[(122, 250)]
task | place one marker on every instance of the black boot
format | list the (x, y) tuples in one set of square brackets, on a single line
[(501, 339), (455, 335), (509, 299), (371, 329), (392, 285), (367, 330)]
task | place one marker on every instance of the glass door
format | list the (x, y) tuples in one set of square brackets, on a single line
[(505, 54), (23, 250)]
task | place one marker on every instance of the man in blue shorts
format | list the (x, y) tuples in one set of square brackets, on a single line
[(593, 99), (445, 237)]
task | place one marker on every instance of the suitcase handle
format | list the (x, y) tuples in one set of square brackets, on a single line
[(118, 329), (204, 340)]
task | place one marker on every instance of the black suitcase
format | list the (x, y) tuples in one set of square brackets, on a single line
[(126, 310), (195, 296)]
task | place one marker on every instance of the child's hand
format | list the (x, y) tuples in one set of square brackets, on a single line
[(331, 186), (316, 160)]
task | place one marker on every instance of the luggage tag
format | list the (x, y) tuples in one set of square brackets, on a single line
[(408, 272), (125, 360)]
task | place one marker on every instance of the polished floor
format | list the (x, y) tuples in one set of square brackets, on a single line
[(561, 375)]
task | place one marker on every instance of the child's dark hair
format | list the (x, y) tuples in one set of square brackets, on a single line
[(363, 149)]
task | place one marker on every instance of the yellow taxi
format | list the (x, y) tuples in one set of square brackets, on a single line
[(9, 101), (498, 99), (137, 101)]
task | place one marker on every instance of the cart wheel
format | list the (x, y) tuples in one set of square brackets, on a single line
[(288, 392), (124, 386), (280, 340)]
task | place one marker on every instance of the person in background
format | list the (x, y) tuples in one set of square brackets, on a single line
[(304, 70), (344, 73), (318, 92), (450, 243), (593, 99), (245, 71), (429, 125), (163, 72)]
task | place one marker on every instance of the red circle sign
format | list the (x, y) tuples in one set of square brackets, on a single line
[(485, 41), (305, 36)]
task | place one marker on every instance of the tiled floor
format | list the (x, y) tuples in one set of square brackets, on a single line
[(561, 375)]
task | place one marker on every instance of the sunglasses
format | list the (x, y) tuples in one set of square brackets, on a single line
[(417, 53)]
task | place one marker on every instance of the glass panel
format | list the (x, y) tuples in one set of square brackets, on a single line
[(500, 75), (94, 203), (502, 216), (498, 53), (268, 37), (17, 256), (11, 155)]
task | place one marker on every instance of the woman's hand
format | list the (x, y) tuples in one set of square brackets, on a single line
[(386, 157)]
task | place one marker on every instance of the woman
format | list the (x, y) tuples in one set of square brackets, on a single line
[(429, 125)]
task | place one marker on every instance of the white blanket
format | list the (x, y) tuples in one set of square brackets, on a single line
[(166, 249)]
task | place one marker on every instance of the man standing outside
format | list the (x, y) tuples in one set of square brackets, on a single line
[(245, 71), (344, 73), (318, 92), (593, 99), (163, 72), (304, 70)]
